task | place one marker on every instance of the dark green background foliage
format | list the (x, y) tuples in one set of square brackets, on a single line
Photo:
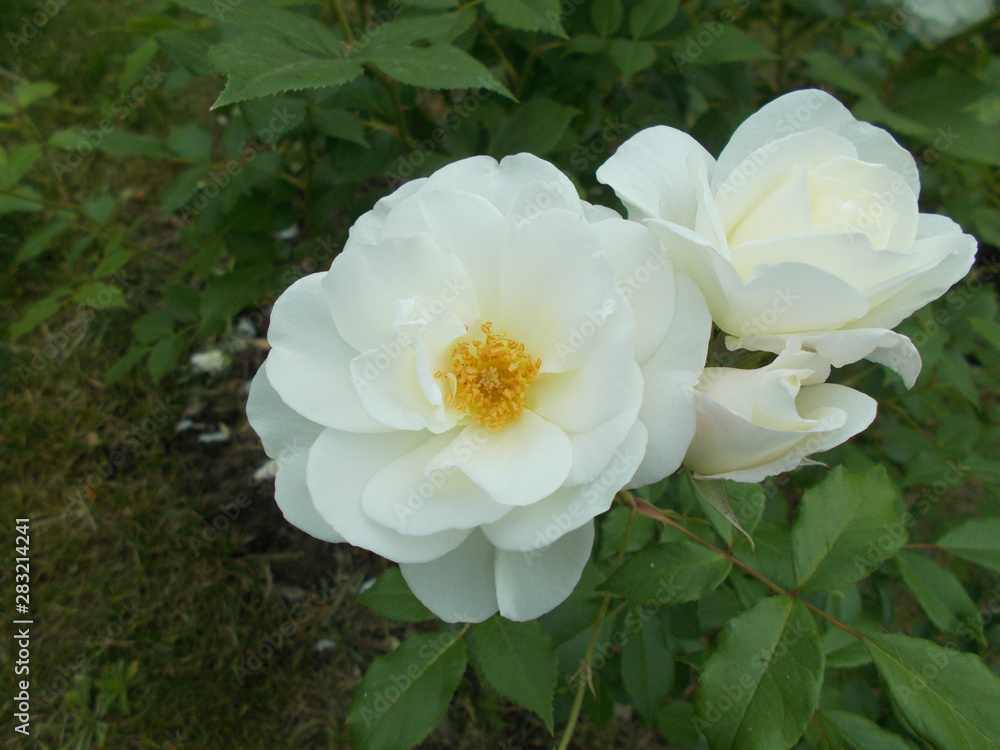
[(169, 168)]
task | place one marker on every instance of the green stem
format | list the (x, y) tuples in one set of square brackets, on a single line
[(504, 60), (655, 513), (585, 673), (397, 103), (345, 26)]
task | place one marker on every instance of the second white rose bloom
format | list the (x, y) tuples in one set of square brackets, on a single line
[(488, 361), (805, 233)]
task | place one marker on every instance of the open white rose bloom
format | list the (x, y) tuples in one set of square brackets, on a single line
[(484, 366), (804, 234)]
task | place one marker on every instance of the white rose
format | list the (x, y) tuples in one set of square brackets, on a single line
[(805, 232), (753, 424), (463, 391)]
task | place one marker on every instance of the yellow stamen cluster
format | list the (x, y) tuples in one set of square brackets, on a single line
[(489, 379)]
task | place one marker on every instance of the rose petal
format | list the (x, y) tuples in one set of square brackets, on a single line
[(308, 364), (653, 173), (287, 438), (395, 268), (519, 464), (340, 465), (529, 584), (645, 277), (459, 586), (534, 526), (669, 376), (592, 449), (843, 347), (555, 263), (506, 184), (809, 109), (405, 497), (589, 395)]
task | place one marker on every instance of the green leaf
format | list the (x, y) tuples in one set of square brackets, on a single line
[(182, 189), (676, 723), (761, 685), (38, 312), (846, 527), (534, 127), (186, 50), (650, 16), (437, 28), (988, 329), (153, 326), (100, 209), (22, 198), (949, 107), (825, 66), (342, 124), (528, 15), (669, 573), (860, 733), (136, 63), (259, 65), (14, 166), (647, 662), (948, 698), (165, 355), (714, 492), (712, 43), (519, 661), (440, 66), (405, 694), (181, 301), (38, 242), (29, 93), (123, 144), (227, 295), (101, 296), (843, 650), (124, 365), (631, 57), (114, 257), (392, 599), (606, 16), (190, 141), (976, 540), (287, 27), (942, 597)]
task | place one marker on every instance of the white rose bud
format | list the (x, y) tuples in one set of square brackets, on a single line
[(754, 424)]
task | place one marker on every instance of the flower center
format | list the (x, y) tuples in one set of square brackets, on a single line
[(489, 379)]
